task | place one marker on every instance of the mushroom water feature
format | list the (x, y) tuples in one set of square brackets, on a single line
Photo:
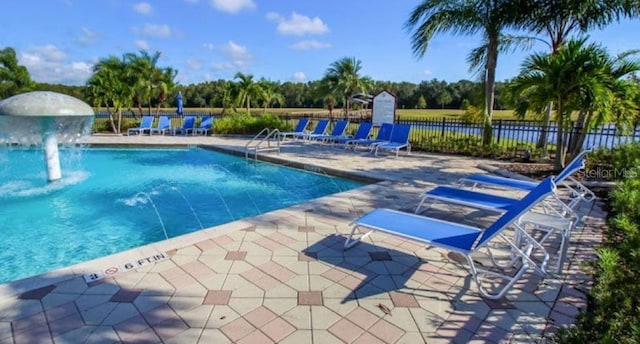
[(45, 119)]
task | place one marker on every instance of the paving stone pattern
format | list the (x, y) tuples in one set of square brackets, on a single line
[(282, 277)]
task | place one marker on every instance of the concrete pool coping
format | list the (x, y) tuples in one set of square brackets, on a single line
[(152, 249), (427, 306)]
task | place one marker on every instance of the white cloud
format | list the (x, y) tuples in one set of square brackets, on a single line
[(298, 24), (233, 6), (51, 65), (273, 16), (299, 76), (47, 52), (237, 56), (208, 46), (194, 64), (87, 37), (154, 30), (310, 45), (142, 44), (143, 8), (427, 72)]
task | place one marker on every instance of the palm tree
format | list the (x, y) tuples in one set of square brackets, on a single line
[(467, 17), (226, 95), (343, 78), (144, 74), (621, 106), (575, 78), (14, 78), (561, 19), (330, 102), (164, 84), (110, 86), (246, 89), (269, 94)]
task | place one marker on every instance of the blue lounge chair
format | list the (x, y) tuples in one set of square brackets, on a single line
[(362, 133), (337, 132), (319, 130), (384, 134), (399, 139), (164, 125), (557, 216), (145, 125), (204, 126), (577, 191), (466, 240), (188, 125), (299, 129)]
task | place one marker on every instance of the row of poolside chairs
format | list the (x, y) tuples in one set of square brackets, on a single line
[(163, 126), (524, 226), (392, 137)]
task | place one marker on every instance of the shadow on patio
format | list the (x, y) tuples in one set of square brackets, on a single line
[(370, 270)]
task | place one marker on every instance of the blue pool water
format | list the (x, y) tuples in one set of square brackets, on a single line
[(110, 200)]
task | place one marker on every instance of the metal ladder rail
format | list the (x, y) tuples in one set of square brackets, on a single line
[(246, 147), (267, 138)]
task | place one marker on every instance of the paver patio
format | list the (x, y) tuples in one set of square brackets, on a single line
[(282, 277)]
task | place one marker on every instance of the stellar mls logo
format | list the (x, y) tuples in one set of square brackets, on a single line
[(112, 270), (600, 173)]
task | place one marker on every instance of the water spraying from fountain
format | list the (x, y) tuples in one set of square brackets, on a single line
[(45, 119)]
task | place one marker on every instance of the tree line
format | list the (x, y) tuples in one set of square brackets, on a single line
[(428, 94)]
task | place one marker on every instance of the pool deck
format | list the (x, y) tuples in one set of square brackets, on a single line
[(282, 276)]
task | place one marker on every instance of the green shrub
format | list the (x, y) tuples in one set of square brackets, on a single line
[(472, 146), (103, 125), (613, 313), (615, 164), (245, 124)]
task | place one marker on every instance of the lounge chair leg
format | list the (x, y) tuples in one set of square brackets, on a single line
[(350, 242), (511, 280), (564, 246), (419, 206), (508, 265), (421, 203)]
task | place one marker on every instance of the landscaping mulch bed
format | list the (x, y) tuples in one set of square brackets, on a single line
[(531, 170)]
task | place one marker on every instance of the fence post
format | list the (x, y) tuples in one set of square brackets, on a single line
[(444, 120), (499, 131)]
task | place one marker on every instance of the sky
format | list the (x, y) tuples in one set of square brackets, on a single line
[(60, 40)]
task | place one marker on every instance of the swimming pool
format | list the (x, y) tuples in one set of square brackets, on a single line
[(114, 199)]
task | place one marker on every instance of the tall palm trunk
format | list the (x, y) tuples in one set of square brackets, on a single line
[(543, 140), (577, 140), (557, 40), (561, 140), (347, 105), (490, 86), (111, 121), (119, 120), (161, 100), (138, 103)]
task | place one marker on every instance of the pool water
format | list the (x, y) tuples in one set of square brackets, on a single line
[(110, 200)]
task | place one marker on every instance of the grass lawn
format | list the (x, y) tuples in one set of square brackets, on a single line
[(402, 113), (447, 113)]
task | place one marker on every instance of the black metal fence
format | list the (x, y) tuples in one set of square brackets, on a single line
[(510, 134)]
